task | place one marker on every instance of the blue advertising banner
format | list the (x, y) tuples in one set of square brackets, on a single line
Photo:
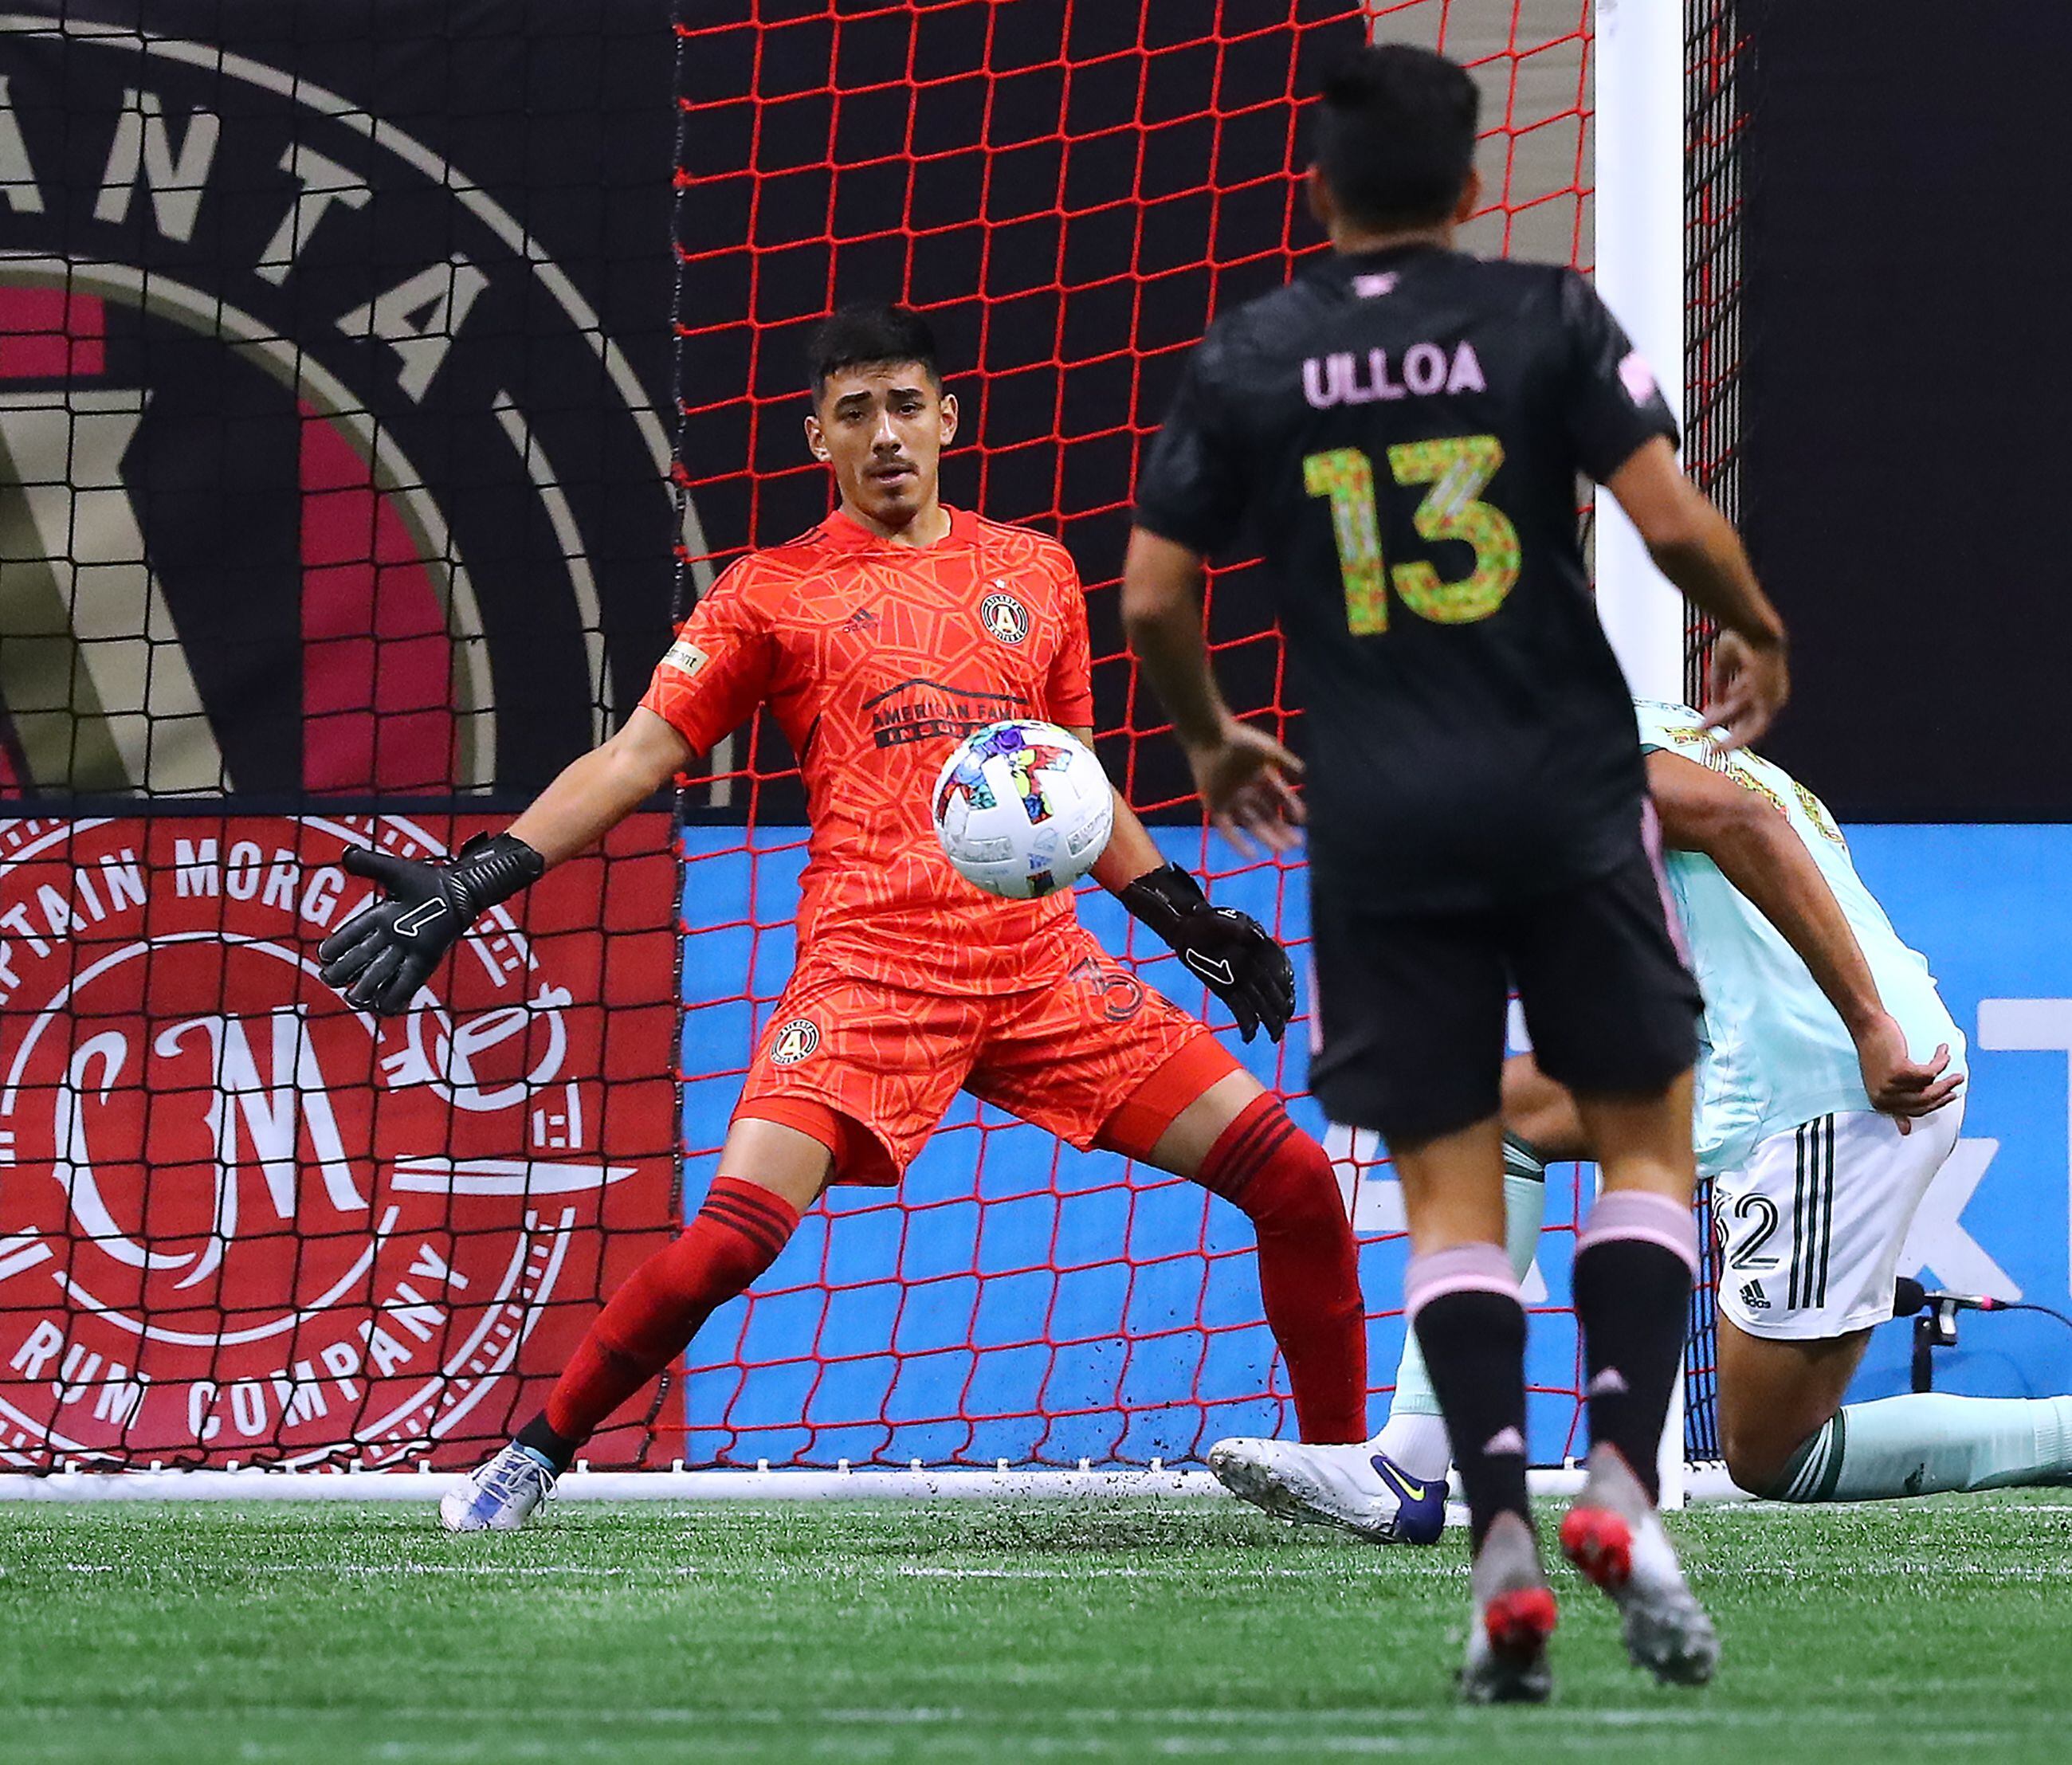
[(1986, 906), (1019, 1300)]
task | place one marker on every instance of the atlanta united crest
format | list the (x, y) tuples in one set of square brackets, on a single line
[(794, 1041), (206, 251), (1004, 618)]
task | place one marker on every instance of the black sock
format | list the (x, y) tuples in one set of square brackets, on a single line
[(1633, 1300), (558, 1450), (1474, 1351)]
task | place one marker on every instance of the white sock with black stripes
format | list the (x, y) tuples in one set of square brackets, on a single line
[(1928, 1442)]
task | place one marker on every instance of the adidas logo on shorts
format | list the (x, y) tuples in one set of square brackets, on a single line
[(1753, 1296)]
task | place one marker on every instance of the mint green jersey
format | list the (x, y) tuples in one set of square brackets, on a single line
[(1774, 1053)]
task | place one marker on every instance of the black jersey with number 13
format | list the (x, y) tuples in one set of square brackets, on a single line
[(1405, 430)]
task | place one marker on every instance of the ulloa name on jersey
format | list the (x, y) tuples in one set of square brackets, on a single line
[(1427, 370)]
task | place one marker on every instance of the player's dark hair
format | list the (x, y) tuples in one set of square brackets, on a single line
[(869, 337), (1394, 134)]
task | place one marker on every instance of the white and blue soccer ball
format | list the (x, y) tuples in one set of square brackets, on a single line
[(1022, 808)]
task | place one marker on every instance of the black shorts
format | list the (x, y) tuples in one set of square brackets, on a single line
[(1411, 1007)]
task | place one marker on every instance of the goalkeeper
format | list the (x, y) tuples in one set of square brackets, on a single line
[(878, 640), (1828, 1097)]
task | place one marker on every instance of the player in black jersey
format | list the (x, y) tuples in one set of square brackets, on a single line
[(1402, 428)]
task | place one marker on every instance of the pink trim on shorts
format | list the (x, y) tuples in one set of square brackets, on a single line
[(1465, 1268), (1650, 840), (1638, 1213)]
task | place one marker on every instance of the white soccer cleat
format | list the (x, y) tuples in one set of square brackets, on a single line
[(1355, 1488), (500, 1495), (1615, 1538), (1513, 1615)]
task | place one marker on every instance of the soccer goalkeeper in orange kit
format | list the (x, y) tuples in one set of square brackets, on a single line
[(878, 640)]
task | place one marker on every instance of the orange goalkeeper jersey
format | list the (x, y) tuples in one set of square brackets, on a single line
[(876, 659)]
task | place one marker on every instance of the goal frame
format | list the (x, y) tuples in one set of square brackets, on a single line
[(1642, 117)]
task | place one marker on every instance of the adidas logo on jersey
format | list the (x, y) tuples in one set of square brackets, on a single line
[(863, 619), (1753, 1297)]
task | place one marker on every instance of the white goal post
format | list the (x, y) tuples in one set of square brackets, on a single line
[(1640, 147), (1640, 130)]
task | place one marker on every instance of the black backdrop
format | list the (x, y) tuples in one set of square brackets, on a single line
[(1908, 381), (556, 119), (1904, 455)]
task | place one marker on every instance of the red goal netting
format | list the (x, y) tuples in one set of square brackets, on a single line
[(335, 402), (1069, 191)]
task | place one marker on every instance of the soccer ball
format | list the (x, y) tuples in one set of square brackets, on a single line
[(1022, 808)]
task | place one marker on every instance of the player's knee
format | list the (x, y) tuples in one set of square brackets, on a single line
[(1761, 1459), (1297, 1190), (734, 1237)]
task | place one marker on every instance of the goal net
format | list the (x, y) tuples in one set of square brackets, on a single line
[(1069, 192), (339, 506)]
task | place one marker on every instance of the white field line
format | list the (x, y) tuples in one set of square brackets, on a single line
[(1194, 1716), (1396, 1567), (1706, 1484), (845, 1484), (1391, 1567)]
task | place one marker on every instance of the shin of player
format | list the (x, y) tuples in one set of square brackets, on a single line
[(1787, 1433)]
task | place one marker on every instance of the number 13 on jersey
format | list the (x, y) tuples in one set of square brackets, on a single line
[(1456, 469)]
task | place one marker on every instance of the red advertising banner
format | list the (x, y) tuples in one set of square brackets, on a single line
[(240, 1221)]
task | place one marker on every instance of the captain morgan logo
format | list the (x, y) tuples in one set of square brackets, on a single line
[(207, 249), (240, 1220)]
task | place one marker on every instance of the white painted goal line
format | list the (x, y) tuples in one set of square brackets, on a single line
[(1703, 1483)]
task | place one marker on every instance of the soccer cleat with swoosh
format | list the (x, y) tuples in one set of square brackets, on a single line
[(1354, 1487)]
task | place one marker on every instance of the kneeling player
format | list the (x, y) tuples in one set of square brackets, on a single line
[(1827, 1101), (878, 640)]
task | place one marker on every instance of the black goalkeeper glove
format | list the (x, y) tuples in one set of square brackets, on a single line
[(380, 958), (1236, 954)]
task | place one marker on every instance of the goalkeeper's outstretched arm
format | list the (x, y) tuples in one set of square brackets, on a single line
[(380, 957), (596, 793)]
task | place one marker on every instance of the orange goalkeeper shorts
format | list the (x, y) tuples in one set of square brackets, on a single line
[(1096, 1057)]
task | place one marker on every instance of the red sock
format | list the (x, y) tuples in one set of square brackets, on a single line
[(1309, 1264), (665, 1302)]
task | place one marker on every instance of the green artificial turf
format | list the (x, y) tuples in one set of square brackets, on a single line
[(975, 1631)]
